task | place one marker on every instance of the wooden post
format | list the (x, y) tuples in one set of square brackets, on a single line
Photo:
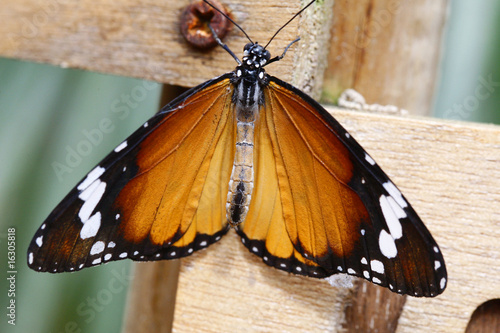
[(387, 50), (448, 170)]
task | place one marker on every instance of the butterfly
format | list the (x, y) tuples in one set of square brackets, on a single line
[(249, 152)]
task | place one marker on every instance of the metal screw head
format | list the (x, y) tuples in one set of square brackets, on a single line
[(195, 20)]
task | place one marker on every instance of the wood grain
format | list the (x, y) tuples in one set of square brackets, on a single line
[(450, 173), (138, 38), (387, 50)]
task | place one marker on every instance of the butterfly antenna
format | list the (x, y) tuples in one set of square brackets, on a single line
[(231, 20), (290, 20)]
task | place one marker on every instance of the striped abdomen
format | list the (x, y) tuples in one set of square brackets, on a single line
[(241, 183)]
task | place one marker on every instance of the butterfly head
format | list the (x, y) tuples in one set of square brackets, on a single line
[(255, 56)]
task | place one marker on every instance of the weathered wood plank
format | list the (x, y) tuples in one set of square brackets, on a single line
[(387, 50), (138, 38)]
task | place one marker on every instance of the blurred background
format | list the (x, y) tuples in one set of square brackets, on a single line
[(51, 135)]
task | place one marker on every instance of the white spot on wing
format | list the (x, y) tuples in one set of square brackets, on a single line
[(298, 269), (111, 244), (85, 194), (363, 261), (339, 268), (97, 248), (442, 283), (121, 146), (204, 243), (351, 271), (255, 249), (91, 226), (376, 280), (39, 241), (91, 201), (96, 261), (107, 256), (123, 255), (387, 245), (91, 177), (366, 274), (377, 266), (392, 213), (43, 226), (30, 258), (394, 192), (369, 159), (436, 249)]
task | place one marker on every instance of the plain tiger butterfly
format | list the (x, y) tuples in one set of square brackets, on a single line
[(250, 152)]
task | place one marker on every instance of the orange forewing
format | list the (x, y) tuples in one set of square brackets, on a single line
[(184, 170)]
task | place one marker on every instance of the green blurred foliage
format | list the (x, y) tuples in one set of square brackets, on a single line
[(469, 85), (51, 135)]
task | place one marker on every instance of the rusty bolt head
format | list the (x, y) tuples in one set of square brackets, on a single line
[(195, 20)]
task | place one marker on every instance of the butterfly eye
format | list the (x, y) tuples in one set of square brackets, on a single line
[(266, 55), (247, 48)]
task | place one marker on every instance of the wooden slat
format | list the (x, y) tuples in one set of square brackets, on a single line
[(137, 38), (387, 50), (450, 173)]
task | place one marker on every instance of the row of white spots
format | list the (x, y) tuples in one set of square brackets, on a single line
[(437, 265), (91, 197), (92, 190), (392, 214), (121, 146), (392, 209), (99, 246)]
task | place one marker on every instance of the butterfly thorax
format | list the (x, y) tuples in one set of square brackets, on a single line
[(249, 79)]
